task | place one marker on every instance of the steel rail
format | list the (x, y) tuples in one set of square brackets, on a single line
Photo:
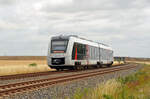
[(28, 75)]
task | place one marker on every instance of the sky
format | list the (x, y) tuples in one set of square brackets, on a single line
[(27, 25)]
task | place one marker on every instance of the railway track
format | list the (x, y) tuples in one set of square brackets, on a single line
[(19, 76), (10, 89)]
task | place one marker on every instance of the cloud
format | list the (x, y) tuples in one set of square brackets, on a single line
[(96, 5), (26, 26), (7, 2)]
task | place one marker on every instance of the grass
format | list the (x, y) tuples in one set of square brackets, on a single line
[(10, 67), (104, 90), (135, 86), (33, 64)]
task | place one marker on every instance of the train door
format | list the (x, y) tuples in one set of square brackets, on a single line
[(87, 54), (100, 55)]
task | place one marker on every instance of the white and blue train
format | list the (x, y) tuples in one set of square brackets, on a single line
[(73, 52)]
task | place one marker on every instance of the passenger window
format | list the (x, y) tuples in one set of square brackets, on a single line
[(81, 51)]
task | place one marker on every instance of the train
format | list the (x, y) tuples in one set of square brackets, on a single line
[(74, 52)]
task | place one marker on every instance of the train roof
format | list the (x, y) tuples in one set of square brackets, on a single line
[(75, 36)]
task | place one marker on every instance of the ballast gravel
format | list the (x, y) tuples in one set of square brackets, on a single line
[(67, 89)]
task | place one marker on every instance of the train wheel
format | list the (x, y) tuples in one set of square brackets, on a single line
[(57, 69), (100, 66), (61, 69), (97, 66), (109, 65), (72, 68), (85, 67), (78, 68), (75, 68)]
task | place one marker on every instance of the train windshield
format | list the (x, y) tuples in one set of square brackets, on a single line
[(59, 46)]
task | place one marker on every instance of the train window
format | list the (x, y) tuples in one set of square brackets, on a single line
[(96, 53), (80, 49), (74, 51), (93, 52), (59, 46)]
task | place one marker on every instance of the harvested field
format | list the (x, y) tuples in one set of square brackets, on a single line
[(10, 67), (137, 59), (22, 57), (140, 62), (21, 62)]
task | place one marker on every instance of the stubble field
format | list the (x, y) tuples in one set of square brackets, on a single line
[(21, 65), (10, 65)]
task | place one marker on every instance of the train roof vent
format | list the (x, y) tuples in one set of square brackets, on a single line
[(104, 44), (73, 35), (62, 35)]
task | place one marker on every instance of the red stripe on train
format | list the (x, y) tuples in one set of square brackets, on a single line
[(76, 55)]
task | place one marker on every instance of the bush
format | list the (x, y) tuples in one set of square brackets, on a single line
[(33, 64), (80, 93), (127, 79), (107, 96)]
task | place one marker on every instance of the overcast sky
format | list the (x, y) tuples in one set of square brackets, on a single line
[(27, 25)]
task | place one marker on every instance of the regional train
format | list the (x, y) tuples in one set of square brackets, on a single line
[(73, 52)]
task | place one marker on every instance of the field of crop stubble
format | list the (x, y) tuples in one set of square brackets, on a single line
[(20, 65), (10, 65)]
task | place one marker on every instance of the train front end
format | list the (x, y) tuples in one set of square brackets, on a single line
[(58, 53)]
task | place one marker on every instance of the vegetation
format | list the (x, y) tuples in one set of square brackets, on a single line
[(135, 86), (11, 67), (33, 64)]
